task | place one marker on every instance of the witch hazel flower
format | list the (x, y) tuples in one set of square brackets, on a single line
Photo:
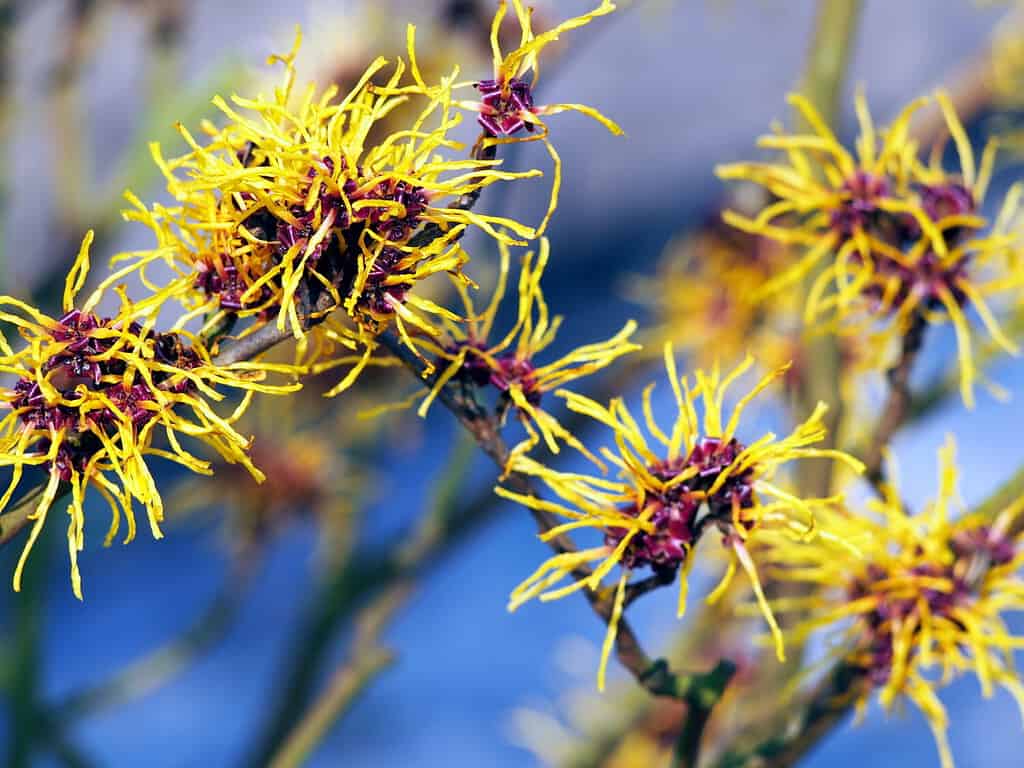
[(914, 600), (467, 354), (672, 488), (90, 395), (902, 242)]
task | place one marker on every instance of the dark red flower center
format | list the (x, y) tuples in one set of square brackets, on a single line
[(80, 363), (504, 106), (676, 509)]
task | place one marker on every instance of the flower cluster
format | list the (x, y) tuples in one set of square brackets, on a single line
[(90, 393), (701, 476), (311, 214), (290, 210), (901, 240), (925, 594)]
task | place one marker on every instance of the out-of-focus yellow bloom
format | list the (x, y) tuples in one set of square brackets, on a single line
[(92, 392), (510, 364), (900, 237), (705, 298), (506, 105), (308, 474), (288, 203), (925, 596), (701, 476)]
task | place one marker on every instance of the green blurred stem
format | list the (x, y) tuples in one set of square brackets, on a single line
[(700, 701), (341, 594), (897, 404), (825, 707), (821, 370), (8, 24), (1008, 493), (70, 130), (345, 685), (827, 61)]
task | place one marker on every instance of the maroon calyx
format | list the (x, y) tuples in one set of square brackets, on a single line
[(223, 280), (396, 228), (513, 369), (379, 295), (859, 211), (929, 277), (503, 105)]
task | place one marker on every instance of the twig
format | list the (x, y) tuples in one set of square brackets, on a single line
[(1004, 496), (825, 707), (159, 666), (658, 579), (14, 520), (24, 698), (347, 682), (367, 658), (700, 702), (897, 404)]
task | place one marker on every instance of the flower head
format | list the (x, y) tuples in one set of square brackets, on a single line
[(506, 108), (696, 476), (295, 206), (510, 365), (925, 594), (90, 395), (901, 238)]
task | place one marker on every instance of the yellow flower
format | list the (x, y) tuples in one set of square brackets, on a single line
[(91, 393), (510, 364), (900, 237), (506, 104), (296, 199), (925, 595), (697, 476)]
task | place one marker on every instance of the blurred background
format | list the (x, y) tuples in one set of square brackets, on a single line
[(203, 648)]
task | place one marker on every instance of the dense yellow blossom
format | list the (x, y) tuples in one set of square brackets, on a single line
[(295, 199), (695, 477), (925, 595), (90, 397), (900, 238)]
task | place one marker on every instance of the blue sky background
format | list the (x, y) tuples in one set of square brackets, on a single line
[(692, 84)]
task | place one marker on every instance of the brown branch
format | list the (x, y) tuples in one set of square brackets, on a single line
[(897, 404), (824, 708)]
